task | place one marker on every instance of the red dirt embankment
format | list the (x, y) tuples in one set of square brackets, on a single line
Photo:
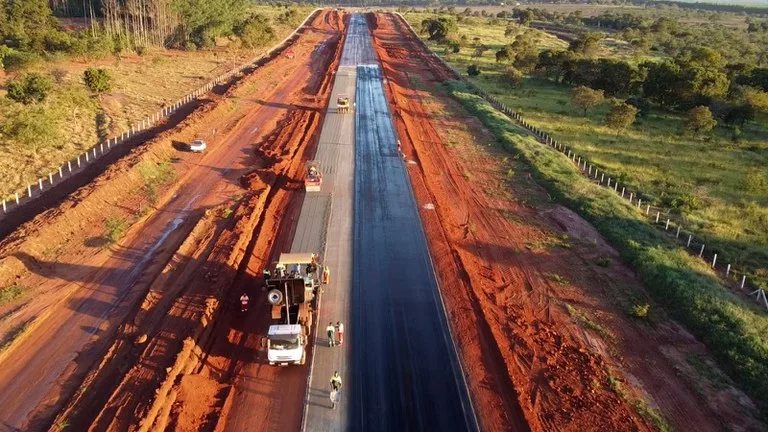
[(152, 376), (253, 394), (543, 330)]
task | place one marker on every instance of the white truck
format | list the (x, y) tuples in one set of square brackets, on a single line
[(292, 288)]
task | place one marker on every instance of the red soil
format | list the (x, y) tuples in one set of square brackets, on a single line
[(543, 334), (132, 383)]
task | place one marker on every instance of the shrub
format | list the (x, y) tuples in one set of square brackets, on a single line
[(33, 126), (641, 310), (754, 181), (473, 70), (29, 88), (97, 80), (454, 46), (14, 60), (115, 229)]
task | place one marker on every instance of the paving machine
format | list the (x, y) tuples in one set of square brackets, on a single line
[(342, 104), (314, 177), (291, 293)]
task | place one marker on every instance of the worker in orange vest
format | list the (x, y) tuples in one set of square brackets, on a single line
[(326, 275)]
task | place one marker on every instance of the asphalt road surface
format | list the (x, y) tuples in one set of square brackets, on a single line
[(398, 363)]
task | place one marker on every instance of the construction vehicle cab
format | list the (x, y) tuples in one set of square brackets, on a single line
[(286, 345), (292, 289), (314, 177), (342, 104)]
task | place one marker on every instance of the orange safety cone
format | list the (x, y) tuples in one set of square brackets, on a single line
[(326, 275)]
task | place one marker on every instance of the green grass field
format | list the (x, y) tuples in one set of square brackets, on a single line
[(653, 156)]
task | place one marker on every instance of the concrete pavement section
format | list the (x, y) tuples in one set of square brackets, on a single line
[(337, 147), (399, 366)]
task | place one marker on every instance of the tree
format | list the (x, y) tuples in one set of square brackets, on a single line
[(97, 80), (739, 114), (587, 44), (665, 25), (526, 17), (525, 49), (26, 23), (29, 88), (255, 31), (615, 77), (512, 77), (662, 82), (552, 63), (620, 116), (202, 21), (438, 28), (473, 70), (505, 54), (586, 98), (755, 98), (479, 51), (699, 119)]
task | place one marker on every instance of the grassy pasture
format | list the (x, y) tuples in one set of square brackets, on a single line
[(654, 155)]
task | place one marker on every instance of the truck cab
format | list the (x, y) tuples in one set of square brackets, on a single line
[(286, 344), (292, 288)]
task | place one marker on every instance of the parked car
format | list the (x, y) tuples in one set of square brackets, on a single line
[(197, 146)]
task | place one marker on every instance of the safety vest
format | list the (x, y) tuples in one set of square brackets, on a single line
[(326, 275)]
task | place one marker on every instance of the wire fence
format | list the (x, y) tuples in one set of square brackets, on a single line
[(659, 217), (20, 198)]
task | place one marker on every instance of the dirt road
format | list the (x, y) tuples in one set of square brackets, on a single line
[(42, 370), (536, 298)]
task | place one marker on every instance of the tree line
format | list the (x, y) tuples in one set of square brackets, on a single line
[(30, 31), (696, 79)]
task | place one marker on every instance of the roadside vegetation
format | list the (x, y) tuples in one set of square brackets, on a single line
[(72, 77), (732, 329), (12, 293), (676, 110)]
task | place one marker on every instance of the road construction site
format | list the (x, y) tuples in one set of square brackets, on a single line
[(439, 268)]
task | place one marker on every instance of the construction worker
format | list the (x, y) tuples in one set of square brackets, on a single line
[(340, 331), (331, 334), (336, 381), (326, 275), (334, 396), (244, 302), (266, 273)]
